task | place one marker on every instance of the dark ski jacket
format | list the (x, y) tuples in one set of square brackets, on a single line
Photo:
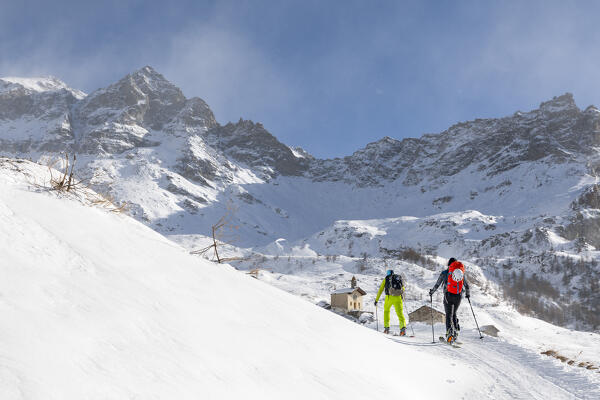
[(443, 278)]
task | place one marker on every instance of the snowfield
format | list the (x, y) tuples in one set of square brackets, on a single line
[(512, 363), (96, 305)]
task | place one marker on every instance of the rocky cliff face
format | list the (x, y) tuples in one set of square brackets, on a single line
[(35, 114), (135, 111), (123, 115), (557, 132), (250, 143)]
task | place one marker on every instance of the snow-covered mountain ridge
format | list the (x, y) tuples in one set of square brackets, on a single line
[(144, 121), (40, 85), (533, 174)]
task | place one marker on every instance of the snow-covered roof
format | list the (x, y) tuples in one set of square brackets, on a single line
[(349, 290)]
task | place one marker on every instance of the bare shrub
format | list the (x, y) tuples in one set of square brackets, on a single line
[(561, 358), (108, 202), (219, 232), (65, 181)]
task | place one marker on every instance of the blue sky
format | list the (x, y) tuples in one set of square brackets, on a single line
[(330, 76)]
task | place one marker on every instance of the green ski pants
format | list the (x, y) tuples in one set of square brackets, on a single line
[(395, 301)]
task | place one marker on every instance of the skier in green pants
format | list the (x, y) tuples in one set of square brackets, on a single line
[(394, 290)]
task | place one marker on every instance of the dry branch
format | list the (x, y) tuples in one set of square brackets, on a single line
[(218, 231)]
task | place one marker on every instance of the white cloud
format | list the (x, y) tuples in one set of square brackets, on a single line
[(536, 53), (228, 71)]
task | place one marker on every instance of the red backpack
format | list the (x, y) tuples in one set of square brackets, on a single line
[(456, 274)]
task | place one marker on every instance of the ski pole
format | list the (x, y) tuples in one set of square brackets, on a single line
[(432, 331), (411, 326), (480, 335), (452, 327), (409, 322), (376, 317)]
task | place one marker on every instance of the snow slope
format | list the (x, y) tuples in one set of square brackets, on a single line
[(509, 360), (95, 305)]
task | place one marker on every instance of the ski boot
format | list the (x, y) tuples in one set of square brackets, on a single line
[(386, 330), (450, 336), (403, 332)]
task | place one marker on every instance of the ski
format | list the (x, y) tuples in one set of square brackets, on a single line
[(411, 342), (443, 340), (399, 335), (402, 335)]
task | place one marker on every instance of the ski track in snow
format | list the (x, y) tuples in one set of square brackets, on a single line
[(516, 373), (494, 352)]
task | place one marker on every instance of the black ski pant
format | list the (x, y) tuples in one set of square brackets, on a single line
[(451, 303)]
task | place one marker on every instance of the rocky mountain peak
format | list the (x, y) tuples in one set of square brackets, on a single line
[(149, 72), (559, 104), (37, 85), (154, 84), (382, 144), (252, 144), (119, 116), (113, 119), (137, 88), (556, 132), (34, 112)]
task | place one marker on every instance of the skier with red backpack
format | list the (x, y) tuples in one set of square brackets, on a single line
[(454, 280)]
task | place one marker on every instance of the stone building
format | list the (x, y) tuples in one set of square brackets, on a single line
[(348, 299), (423, 314)]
